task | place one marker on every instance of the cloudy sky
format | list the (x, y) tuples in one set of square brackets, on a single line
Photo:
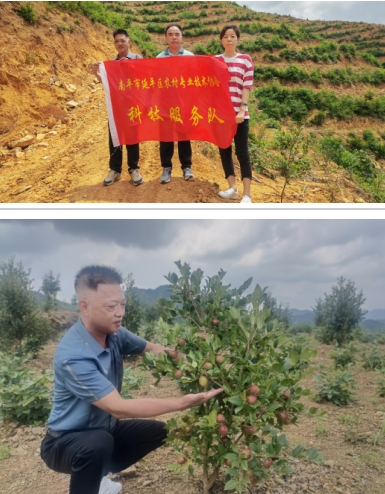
[(372, 12), (299, 260)]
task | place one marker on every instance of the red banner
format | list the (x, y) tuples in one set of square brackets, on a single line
[(169, 99)]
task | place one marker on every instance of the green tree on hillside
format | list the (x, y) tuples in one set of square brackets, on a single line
[(339, 312), (50, 287), (134, 310), (23, 328), (278, 310)]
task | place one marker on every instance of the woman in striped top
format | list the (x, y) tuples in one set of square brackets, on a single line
[(241, 70)]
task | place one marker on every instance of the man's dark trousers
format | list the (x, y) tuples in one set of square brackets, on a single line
[(167, 152), (90, 455), (116, 155)]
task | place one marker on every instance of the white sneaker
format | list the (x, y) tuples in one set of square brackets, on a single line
[(229, 194), (246, 199), (107, 486), (136, 177), (112, 177)]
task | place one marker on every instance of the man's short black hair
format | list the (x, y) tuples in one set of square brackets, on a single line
[(93, 276), (173, 25), (120, 31)]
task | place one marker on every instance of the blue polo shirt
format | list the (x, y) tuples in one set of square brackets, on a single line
[(85, 372), (182, 52)]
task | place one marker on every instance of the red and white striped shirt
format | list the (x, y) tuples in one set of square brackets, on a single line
[(241, 70)]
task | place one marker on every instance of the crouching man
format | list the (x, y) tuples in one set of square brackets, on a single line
[(87, 434)]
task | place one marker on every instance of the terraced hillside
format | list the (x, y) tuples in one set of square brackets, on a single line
[(318, 107)]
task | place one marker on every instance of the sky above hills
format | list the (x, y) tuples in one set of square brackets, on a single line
[(299, 260), (371, 12)]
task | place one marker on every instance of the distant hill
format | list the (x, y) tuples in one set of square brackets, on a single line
[(149, 295), (374, 319), (298, 316), (376, 315)]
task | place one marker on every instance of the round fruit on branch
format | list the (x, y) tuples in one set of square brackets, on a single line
[(178, 374), (223, 430), (219, 359), (203, 336), (208, 366), (173, 354), (267, 463), (247, 452), (249, 430), (254, 390), (251, 400), (203, 382), (284, 418), (221, 418), (215, 322), (181, 460), (181, 342), (286, 394)]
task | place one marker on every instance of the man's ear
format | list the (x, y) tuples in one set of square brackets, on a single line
[(83, 305)]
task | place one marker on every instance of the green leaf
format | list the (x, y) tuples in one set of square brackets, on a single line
[(234, 313), (287, 364), (306, 354), (294, 358), (231, 484), (276, 368), (212, 418), (297, 451), (231, 456), (273, 407), (232, 472), (235, 400)]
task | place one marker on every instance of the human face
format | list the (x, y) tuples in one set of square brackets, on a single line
[(122, 44), (103, 309), (174, 39), (229, 40)]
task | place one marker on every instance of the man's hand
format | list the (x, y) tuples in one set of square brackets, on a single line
[(95, 70), (193, 400)]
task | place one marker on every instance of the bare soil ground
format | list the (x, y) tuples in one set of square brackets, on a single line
[(352, 463)]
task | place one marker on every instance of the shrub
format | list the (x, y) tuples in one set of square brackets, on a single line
[(28, 13), (230, 341), (343, 357), (318, 119), (24, 398), (132, 379), (335, 386), (373, 360), (23, 328), (293, 147), (323, 335), (301, 327)]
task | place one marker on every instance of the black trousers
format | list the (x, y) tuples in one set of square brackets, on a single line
[(90, 455), (116, 155), (241, 150), (184, 151)]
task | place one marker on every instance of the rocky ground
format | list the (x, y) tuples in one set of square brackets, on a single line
[(352, 463)]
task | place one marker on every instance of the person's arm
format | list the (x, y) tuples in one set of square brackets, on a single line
[(144, 408), (242, 108), (95, 70)]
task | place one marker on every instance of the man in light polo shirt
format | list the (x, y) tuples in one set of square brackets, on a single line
[(122, 45), (174, 34), (87, 436)]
